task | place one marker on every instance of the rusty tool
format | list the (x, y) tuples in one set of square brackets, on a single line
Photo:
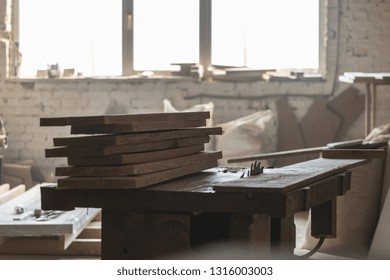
[(255, 169)]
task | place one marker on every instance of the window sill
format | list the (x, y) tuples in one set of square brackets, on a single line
[(294, 77), (275, 77), (103, 78)]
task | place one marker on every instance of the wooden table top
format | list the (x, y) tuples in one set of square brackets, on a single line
[(218, 189), (289, 178)]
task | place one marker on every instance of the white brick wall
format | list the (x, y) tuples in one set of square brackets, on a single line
[(363, 46)]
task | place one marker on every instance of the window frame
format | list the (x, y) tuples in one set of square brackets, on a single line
[(128, 38), (205, 39)]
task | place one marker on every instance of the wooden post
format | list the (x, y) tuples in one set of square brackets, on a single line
[(283, 236), (323, 220)]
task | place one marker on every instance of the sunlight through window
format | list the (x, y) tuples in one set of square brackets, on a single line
[(82, 35), (165, 32), (264, 34)]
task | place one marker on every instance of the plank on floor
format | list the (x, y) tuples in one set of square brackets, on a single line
[(50, 246), (353, 153), (81, 152), (12, 193), (26, 224), (4, 188)]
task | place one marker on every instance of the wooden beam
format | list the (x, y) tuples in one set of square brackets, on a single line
[(85, 151), (123, 119), (136, 127), (314, 150), (134, 158), (134, 138), (138, 168), (133, 182), (306, 151), (4, 188), (354, 153), (11, 194)]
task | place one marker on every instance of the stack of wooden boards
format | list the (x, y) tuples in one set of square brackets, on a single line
[(133, 150), (27, 230)]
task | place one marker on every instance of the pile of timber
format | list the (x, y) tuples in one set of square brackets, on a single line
[(132, 150), (26, 230)]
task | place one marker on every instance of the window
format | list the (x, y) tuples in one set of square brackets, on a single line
[(166, 34), (265, 34), (113, 37), (82, 35), (260, 34)]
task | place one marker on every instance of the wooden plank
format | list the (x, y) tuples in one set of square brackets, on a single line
[(98, 217), (50, 246), (91, 231), (59, 121), (288, 178), (353, 153), (11, 194), (348, 105), (13, 181), (79, 152), (84, 247), (134, 138), (26, 224), (32, 245), (306, 151), (22, 171), (315, 150), (319, 125), (136, 157), (133, 182), (68, 238), (85, 243), (136, 127), (123, 118), (137, 169), (4, 188), (289, 134)]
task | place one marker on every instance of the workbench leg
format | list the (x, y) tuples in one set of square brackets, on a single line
[(260, 233), (128, 235), (323, 220), (283, 237)]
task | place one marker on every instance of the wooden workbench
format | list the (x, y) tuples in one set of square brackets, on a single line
[(213, 206), (372, 80)]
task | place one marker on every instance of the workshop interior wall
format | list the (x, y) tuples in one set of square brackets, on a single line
[(358, 41)]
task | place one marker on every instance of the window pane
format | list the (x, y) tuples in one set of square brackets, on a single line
[(265, 34), (84, 35), (165, 32)]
